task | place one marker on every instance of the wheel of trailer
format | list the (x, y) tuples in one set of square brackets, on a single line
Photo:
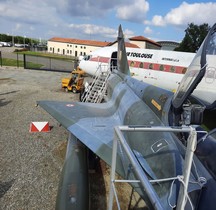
[(74, 90), (66, 89)]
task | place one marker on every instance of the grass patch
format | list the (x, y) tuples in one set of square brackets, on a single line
[(18, 63)]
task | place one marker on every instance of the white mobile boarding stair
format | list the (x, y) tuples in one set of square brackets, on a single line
[(97, 90)]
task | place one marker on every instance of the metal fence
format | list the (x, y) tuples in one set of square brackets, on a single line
[(38, 62), (49, 63), (0, 58)]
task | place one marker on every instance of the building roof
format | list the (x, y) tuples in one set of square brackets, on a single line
[(142, 38), (127, 44), (79, 41), (168, 43)]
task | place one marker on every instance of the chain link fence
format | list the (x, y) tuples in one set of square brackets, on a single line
[(49, 63), (37, 62)]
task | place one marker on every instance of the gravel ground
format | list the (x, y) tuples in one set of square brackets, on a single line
[(30, 163)]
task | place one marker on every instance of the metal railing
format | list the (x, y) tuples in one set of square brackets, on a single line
[(142, 178), (97, 90), (48, 63)]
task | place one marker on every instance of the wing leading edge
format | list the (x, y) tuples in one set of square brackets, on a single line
[(92, 124)]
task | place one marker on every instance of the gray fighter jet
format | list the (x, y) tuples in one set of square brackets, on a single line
[(159, 132)]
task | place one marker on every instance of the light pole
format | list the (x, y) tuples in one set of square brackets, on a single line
[(12, 40), (24, 41)]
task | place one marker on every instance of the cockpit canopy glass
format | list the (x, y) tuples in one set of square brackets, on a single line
[(205, 60)]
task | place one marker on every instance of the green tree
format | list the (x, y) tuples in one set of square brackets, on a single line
[(194, 36)]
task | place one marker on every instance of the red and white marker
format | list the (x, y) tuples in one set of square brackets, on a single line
[(39, 127)]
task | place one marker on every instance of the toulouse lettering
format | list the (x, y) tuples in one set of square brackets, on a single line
[(139, 55)]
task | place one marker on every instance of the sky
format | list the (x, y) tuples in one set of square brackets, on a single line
[(164, 20)]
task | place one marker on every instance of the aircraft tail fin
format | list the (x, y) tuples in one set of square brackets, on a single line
[(122, 55)]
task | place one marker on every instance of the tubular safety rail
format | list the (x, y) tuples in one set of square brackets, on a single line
[(97, 91), (142, 178)]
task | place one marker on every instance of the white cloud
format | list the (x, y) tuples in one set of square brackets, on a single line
[(135, 11), (48, 17), (29, 12), (128, 33), (90, 8), (148, 30), (94, 29), (18, 26), (29, 18), (197, 13), (31, 28), (21, 10), (158, 20)]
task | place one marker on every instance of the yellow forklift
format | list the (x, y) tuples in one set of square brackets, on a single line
[(75, 82)]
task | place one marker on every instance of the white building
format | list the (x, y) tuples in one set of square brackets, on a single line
[(145, 43), (73, 47), (77, 47)]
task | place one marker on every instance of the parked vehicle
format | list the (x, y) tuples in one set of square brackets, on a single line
[(75, 82)]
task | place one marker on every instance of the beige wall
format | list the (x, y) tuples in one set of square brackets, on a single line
[(145, 45), (69, 48), (139, 44)]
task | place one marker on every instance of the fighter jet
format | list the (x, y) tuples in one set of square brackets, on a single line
[(160, 132)]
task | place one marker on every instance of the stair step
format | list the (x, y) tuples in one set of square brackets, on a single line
[(98, 89)]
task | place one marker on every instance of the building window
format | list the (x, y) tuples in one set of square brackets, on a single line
[(151, 66), (132, 63), (58, 50), (172, 69), (70, 51), (161, 68), (81, 47), (84, 47), (80, 53), (51, 49), (67, 51), (68, 45), (141, 65), (84, 53), (76, 46), (184, 70)]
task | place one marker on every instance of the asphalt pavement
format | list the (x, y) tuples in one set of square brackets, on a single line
[(46, 62)]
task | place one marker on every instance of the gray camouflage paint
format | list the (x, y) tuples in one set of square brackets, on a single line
[(130, 102)]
